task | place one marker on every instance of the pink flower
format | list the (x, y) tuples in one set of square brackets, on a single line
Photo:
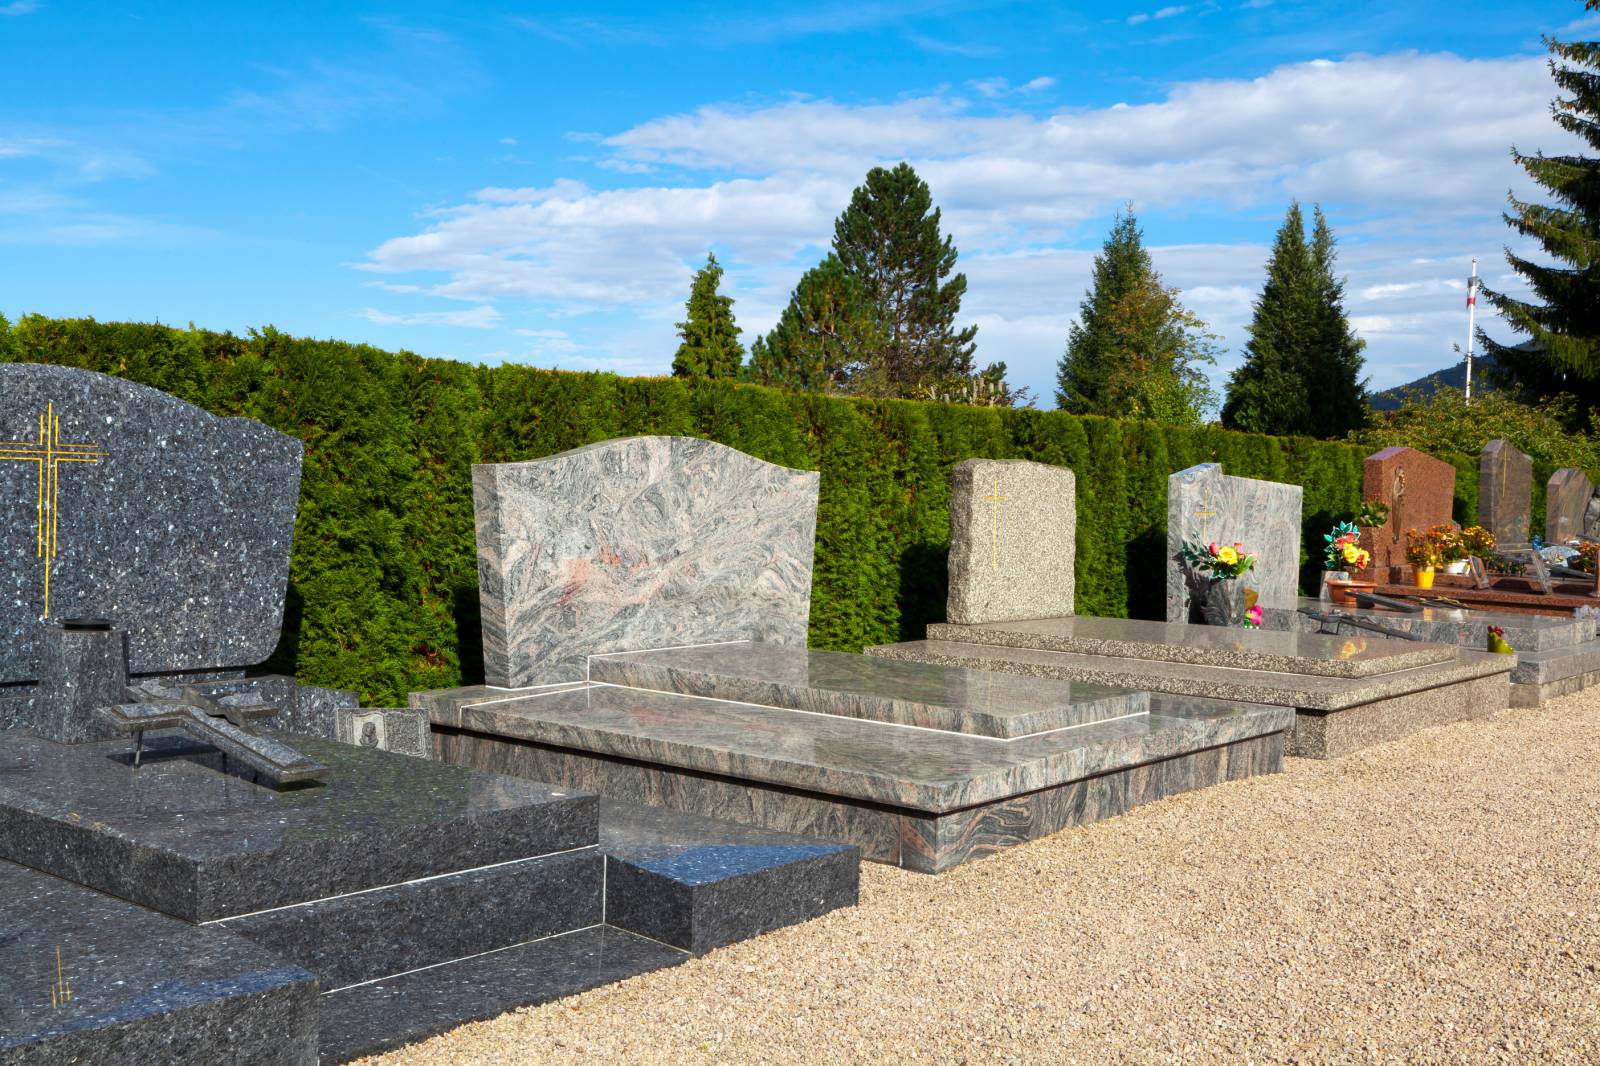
[(1254, 614)]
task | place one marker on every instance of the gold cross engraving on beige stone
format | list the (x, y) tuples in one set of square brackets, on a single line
[(994, 499), (48, 452)]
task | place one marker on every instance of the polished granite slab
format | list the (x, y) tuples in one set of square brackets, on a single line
[(927, 770), (144, 988), (1281, 651), (1465, 627), (979, 702), (369, 1018), (700, 883), (1304, 691), (184, 836)]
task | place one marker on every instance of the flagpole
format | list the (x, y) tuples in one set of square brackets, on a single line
[(1472, 309)]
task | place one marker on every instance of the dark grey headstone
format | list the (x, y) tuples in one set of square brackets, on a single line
[(170, 521), (1505, 493)]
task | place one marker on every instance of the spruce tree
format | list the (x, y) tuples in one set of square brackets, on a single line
[(1134, 351), (1301, 373), (826, 336), (1561, 320), (888, 238), (710, 347)]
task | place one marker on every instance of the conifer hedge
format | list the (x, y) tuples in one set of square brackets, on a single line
[(383, 579)]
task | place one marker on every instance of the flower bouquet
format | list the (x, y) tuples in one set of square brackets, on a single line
[(1344, 554), (1221, 599)]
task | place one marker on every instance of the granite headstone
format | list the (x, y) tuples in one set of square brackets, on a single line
[(120, 501), (1566, 502), (1505, 493), (1591, 520), (638, 543), (1205, 505), (1013, 525), (1419, 491)]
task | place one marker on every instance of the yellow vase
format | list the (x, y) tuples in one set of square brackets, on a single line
[(1425, 578)]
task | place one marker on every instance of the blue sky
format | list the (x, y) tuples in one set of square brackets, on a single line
[(537, 183)]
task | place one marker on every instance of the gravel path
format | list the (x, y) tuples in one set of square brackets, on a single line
[(1432, 900)]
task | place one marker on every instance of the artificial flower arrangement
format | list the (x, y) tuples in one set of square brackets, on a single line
[(1588, 557), (1446, 544), (1253, 615), (1344, 550), (1218, 560)]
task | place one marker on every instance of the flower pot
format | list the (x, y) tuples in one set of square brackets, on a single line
[(1425, 577), (1460, 566), (1343, 593), (1222, 603)]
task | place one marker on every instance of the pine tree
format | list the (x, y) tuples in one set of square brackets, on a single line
[(710, 347), (826, 336), (1562, 320), (888, 238), (1301, 373), (1135, 350)]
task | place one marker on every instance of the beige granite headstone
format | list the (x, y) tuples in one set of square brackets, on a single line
[(1013, 531)]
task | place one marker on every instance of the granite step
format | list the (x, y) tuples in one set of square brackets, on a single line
[(952, 699), (1276, 650), (1464, 627), (698, 883), (377, 1016), (366, 935)]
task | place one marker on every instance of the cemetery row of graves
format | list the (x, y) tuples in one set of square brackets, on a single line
[(217, 847)]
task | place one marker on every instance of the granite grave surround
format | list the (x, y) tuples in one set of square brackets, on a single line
[(1555, 656), (1505, 494), (392, 899), (650, 672), (1013, 531), (1206, 505), (1419, 491), (1347, 692)]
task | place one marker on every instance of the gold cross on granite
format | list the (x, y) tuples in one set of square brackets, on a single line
[(994, 499), (48, 452)]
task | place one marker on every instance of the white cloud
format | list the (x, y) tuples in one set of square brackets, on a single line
[(994, 88), (1408, 151), (484, 316), (19, 7)]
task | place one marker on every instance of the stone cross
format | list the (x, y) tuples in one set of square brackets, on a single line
[(47, 451), (995, 499)]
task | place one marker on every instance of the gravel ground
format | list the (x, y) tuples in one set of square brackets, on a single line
[(1430, 900)]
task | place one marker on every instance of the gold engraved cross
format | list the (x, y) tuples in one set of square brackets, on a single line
[(48, 452), (61, 990), (994, 499)]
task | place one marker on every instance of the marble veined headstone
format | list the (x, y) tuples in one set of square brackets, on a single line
[(1505, 493), (638, 543), (1013, 527), (123, 502), (1205, 505), (1566, 502)]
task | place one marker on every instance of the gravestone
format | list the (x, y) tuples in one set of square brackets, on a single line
[(1566, 503), (638, 543), (1204, 504), (1013, 526), (120, 501), (1419, 491), (1591, 520), (1505, 494)]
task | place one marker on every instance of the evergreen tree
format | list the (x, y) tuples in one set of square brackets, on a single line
[(710, 347), (824, 339), (1562, 319), (1135, 351), (1302, 367), (888, 238)]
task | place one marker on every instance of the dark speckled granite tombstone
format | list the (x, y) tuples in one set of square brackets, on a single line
[(1505, 493), (120, 501)]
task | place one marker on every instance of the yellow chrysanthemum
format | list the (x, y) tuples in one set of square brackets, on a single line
[(1351, 553), (1227, 556)]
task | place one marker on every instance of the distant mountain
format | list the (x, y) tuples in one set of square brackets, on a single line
[(1454, 377)]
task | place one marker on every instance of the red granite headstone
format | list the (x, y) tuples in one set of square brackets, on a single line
[(1419, 491)]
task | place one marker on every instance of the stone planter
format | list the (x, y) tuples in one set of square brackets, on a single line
[(1343, 593)]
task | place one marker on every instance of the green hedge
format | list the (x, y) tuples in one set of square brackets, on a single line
[(383, 580)]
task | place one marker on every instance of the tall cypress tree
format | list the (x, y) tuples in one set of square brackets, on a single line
[(710, 347), (1562, 320), (888, 238), (1134, 351), (826, 336), (1301, 373)]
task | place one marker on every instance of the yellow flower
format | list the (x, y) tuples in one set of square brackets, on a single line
[(1351, 553), (1227, 556)]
